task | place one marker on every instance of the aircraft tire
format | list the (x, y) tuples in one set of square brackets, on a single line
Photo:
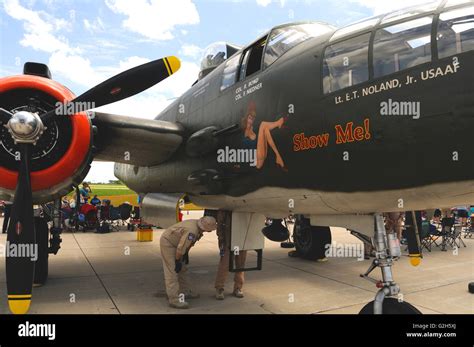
[(311, 241), (287, 245), (391, 306), (471, 287), (42, 240)]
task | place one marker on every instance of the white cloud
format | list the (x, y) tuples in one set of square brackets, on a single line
[(82, 73), (94, 26), (155, 19), (40, 28), (191, 51), (131, 62), (263, 3), (181, 81), (381, 7), (145, 105)]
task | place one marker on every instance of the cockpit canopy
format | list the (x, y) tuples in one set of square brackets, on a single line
[(280, 40), (287, 36), (214, 55)]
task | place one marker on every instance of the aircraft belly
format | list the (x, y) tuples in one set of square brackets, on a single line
[(279, 202)]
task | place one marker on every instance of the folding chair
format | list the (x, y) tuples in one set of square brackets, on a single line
[(469, 230), (454, 238), (428, 235), (447, 224)]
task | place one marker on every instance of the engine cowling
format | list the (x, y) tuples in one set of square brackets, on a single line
[(161, 209), (62, 156)]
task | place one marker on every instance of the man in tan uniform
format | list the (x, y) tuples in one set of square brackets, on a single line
[(175, 243), (224, 223)]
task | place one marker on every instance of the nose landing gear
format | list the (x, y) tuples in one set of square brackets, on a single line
[(387, 251)]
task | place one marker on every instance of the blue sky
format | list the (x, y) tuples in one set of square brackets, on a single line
[(87, 41)]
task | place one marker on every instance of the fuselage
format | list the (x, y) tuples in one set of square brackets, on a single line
[(376, 139)]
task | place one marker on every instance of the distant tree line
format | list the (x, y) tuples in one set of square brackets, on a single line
[(109, 182)]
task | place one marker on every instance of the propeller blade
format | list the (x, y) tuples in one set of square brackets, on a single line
[(124, 85), (5, 116), (21, 236)]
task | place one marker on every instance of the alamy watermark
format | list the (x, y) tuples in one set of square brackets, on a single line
[(21, 250), (400, 108), (71, 108), (345, 250), (241, 155), (37, 330)]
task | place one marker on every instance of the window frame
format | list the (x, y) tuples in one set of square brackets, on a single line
[(242, 52), (438, 19), (249, 48), (434, 44), (393, 24), (323, 60), (238, 55), (245, 57)]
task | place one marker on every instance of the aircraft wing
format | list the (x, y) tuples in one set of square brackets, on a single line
[(135, 141)]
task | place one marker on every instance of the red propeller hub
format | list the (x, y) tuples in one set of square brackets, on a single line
[(76, 148)]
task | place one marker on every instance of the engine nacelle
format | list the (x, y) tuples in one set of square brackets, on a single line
[(62, 156)]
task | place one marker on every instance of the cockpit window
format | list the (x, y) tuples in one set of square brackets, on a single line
[(214, 55), (346, 63), (356, 27), (456, 32), (252, 60), (402, 46), (410, 12), (231, 69), (285, 38)]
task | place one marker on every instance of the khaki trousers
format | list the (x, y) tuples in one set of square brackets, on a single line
[(223, 270), (175, 284)]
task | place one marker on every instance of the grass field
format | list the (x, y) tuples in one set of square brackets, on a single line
[(110, 190), (116, 193)]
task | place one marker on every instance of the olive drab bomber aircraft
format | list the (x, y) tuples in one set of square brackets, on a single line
[(333, 126)]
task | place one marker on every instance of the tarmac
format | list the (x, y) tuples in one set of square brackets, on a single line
[(115, 274)]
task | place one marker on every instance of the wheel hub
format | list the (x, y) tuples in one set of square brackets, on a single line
[(25, 127)]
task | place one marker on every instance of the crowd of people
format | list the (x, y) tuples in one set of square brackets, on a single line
[(446, 224), (91, 212), (459, 215)]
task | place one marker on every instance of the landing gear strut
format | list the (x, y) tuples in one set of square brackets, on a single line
[(56, 229), (387, 250), (48, 240)]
